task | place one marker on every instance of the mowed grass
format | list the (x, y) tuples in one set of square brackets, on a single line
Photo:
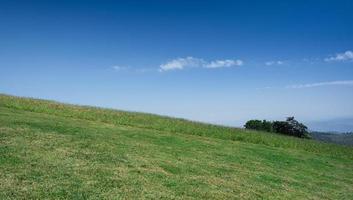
[(56, 151)]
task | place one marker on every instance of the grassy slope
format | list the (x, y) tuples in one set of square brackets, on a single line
[(51, 150)]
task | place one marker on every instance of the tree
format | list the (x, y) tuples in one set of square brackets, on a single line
[(291, 127), (253, 124), (267, 126), (259, 125)]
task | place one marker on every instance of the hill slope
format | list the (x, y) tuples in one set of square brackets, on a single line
[(52, 150)]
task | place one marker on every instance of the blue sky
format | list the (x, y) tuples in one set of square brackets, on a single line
[(215, 61)]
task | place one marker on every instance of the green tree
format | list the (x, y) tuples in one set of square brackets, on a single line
[(291, 127), (259, 125), (253, 124)]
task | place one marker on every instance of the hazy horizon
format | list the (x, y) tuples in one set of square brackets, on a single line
[(339, 125)]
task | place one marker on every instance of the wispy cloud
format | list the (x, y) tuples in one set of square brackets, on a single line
[(129, 69), (119, 68), (181, 63), (145, 70), (319, 84), (277, 62), (188, 62), (223, 63), (346, 56), (312, 60)]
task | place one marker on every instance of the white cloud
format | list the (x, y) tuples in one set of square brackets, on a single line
[(119, 68), (223, 63), (346, 56), (312, 60), (145, 70), (270, 63), (319, 84), (181, 63)]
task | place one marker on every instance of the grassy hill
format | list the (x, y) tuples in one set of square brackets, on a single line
[(50, 150)]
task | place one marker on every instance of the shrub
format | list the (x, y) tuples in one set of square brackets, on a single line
[(267, 126), (289, 127), (253, 124), (259, 125)]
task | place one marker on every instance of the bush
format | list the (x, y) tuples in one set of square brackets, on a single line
[(289, 127), (253, 124), (259, 125), (267, 126)]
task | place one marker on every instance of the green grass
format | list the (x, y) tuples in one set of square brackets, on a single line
[(56, 151)]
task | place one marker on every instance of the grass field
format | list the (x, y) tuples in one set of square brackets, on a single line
[(56, 151)]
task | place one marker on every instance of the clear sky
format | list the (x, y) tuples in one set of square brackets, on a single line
[(215, 61)]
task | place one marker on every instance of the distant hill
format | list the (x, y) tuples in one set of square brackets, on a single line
[(50, 150), (337, 138), (341, 125)]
